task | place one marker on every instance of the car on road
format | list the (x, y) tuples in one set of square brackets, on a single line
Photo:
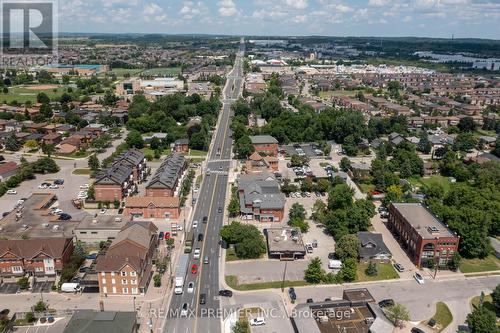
[(84, 186), (205, 260), (194, 269), (417, 330), (225, 293), (197, 253), (167, 235), (64, 217), (205, 219), (386, 303), (195, 224), (331, 255), (310, 300), (419, 278), (292, 294), (161, 235), (259, 321), (203, 298), (200, 237), (190, 288), (13, 192), (184, 310), (219, 210), (399, 267)]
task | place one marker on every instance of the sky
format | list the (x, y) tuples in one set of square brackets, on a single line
[(423, 18)]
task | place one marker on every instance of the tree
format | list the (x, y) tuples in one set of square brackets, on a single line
[(466, 124), (42, 98), (348, 271), (345, 164), (482, 320), (301, 224), (31, 144), (249, 241), (23, 283), (495, 297), (464, 142), (397, 314), (251, 247), (297, 211), (454, 263), (424, 145), (157, 280), (48, 149), (347, 247), (243, 147), (241, 326), (371, 270), (46, 111), (394, 193), (93, 162), (40, 306), (314, 272), (322, 185), (340, 197), (12, 144), (234, 206), (134, 140)]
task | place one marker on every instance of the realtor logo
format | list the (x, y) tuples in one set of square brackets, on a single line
[(28, 29)]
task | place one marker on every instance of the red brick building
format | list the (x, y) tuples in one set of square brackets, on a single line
[(257, 163), (265, 144), (36, 256), (426, 240), (152, 207), (181, 146)]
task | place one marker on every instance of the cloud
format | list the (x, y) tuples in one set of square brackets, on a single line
[(227, 8), (379, 3), (407, 18), (191, 10), (154, 13), (297, 4)]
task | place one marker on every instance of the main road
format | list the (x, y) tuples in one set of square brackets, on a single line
[(211, 204)]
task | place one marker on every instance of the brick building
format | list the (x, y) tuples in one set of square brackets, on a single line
[(257, 163), (181, 146), (36, 256), (152, 207), (126, 267), (167, 177), (424, 237), (265, 144)]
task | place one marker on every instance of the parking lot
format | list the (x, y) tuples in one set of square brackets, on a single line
[(303, 149)]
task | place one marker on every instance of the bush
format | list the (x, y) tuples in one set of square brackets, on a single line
[(40, 306), (157, 280), (371, 270), (30, 317), (23, 283)]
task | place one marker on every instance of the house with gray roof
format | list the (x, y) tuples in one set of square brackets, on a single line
[(167, 177), (260, 197), (372, 248)]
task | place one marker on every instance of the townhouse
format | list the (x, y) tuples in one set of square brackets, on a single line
[(167, 177)]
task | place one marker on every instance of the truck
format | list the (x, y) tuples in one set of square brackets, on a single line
[(180, 273), (189, 242), (335, 264), (70, 287)]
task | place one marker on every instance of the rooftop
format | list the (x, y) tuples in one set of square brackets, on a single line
[(262, 139), (284, 239), (89, 321)]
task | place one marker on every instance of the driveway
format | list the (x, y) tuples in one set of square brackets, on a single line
[(255, 271)]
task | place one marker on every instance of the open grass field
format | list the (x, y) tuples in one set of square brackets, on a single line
[(23, 94), (435, 179), (490, 263), (385, 272), (232, 281), (162, 71), (121, 72)]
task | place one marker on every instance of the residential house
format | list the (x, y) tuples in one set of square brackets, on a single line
[(258, 163), (181, 146), (52, 138), (152, 207), (35, 256), (8, 169), (359, 171), (167, 177), (372, 248), (265, 144), (126, 267)]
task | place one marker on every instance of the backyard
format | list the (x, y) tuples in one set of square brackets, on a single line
[(385, 272), (436, 179)]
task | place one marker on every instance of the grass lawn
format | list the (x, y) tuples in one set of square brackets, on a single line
[(385, 272), (148, 151), (435, 179), (231, 255), (22, 94), (120, 72), (490, 263), (194, 152), (366, 188), (232, 281), (162, 71), (82, 172), (77, 154), (443, 316)]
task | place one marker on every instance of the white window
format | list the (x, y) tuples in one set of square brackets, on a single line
[(134, 281), (124, 273), (103, 273), (113, 281), (17, 269), (103, 281), (105, 290), (134, 290), (38, 269), (125, 290), (124, 281), (114, 290), (112, 273), (133, 273)]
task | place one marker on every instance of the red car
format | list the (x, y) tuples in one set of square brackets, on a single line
[(167, 235), (194, 269)]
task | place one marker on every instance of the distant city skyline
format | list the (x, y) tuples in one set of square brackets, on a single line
[(390, 18)]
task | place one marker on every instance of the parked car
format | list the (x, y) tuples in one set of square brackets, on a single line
[(54, 187), (225, 293), (64, 217), (310, 300), (417, 330), (259, 321), (292, 294), (190, 288), (161, 235), (203, 298), (59, 181), (419, 278), (103, 211), (167, 235), (194, 269), (331, 255), (12, 192), (386, 303), (399, 267)]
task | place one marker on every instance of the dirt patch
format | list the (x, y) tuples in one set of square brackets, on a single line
[(42, 87)]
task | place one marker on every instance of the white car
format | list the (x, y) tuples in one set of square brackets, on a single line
[(419, 278), (195, 224), (42, 187), (197, 253), (84, 186), (190, 288), (11, 192), (82, 196), (56, 211), (259, 321), (54, 186)]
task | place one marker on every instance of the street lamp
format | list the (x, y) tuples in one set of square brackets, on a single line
[(133, 300)]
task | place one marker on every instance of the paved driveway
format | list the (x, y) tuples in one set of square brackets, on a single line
[(266, 270), (9, 288)]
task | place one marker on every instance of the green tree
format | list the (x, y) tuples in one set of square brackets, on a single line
[(12, 144), (371, 270), (301, 224), (345, 164), (297, 211), (347, 247), (314, 272), (340, 197), (23, 283), (464, 142), (93, 162), (46, 111), (251, 247), (134, 140), (157, 280), (233, 207), (495, 297), (482, 320), (348, 271), (40, 306), (48, 149), (241, 326), (466, 124), (397, 314), (31, 144)]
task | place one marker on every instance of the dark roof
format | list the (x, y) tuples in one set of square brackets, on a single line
[(115, 174), (89, 321), (53, 247), (8, 167), (181, 142), (371, 244), (168, 173), (133, 156)]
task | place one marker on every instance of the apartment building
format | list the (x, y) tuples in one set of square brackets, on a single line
[(126, 267)]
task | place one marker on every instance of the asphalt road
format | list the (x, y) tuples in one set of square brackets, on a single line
[(211, 203)]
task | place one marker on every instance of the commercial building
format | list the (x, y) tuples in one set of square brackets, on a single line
[(260, 197), (427, 240), (265, 144), (126, 267), (152, 207), (36, 256), (285, 243), (167, 177), (94, 229), (257, 163), (90, 321)]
